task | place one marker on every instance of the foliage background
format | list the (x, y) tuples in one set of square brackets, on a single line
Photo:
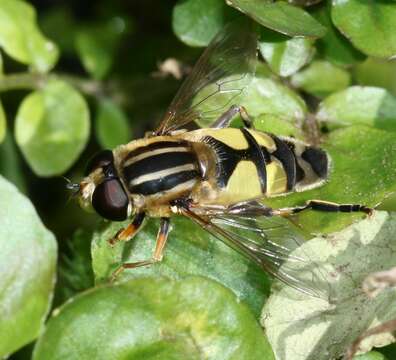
[(96, 85)]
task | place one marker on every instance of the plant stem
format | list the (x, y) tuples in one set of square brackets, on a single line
[(22, 81), (37, 81)]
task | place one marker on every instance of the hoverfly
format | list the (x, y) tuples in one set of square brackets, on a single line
[(216, 176)]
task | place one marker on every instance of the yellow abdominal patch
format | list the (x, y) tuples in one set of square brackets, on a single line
[(276, 178)]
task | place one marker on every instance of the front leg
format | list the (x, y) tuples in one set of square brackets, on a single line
[(162, 236), (130, 231)]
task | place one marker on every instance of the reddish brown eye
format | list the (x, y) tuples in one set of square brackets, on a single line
[(110, 200), (102, 159)]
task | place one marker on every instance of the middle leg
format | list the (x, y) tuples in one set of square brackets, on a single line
[(225, 119)]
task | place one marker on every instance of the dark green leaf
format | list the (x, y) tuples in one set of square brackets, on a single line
[(75, 269), (58, 23), (359, 105), (369, 25), (190, 251), (97, 45), (362, 172), (196, 22), (280, 16), (154, 318), (27, 267), (3, 123), (372, 355), (112, 126), (300, 327), (377, 72), (285, 55), (52, 128), (389, 351), (334, 46), (321, 78), (11, 164), (21, 39)]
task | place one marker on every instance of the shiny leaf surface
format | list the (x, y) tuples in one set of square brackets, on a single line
[(154, 318), (27, 267)]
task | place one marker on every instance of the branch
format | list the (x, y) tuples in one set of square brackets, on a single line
[(36, 81)]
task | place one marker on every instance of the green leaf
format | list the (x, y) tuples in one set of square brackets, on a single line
[(112, 125), (27, 267), (75, 271), (372, 355), (21, 39), (284, 55), (1, 66), (301, 327), (359, 105), (321, 78), (10, 163), (52, 128), (97, 45), (58, 23), (370, 26), (334, 46), (189, 251), (377, 72), (154, 318), (277, 125), (261, 96), (196, 22), (269, 96), (280, 16), (3, 123), (389, 351), (362, 172)]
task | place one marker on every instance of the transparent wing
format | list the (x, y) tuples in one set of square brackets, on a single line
[(268, 241), (218, 79)]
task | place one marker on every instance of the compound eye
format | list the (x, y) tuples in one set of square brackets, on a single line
[(110, 200), (102, 159)]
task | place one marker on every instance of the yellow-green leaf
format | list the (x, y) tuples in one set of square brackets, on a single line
[(285, 55), (359, 105), (27, 267), (21, 39), (321, 78), (52, 128), (369, 25), (154, 318)]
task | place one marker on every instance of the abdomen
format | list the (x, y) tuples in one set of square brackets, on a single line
[(252, 164)]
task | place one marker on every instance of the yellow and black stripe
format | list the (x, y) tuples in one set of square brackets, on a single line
[(279, 164), (162, 166)]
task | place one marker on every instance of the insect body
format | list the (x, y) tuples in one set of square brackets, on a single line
[(217, 175)]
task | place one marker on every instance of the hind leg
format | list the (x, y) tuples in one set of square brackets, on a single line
[(320, 205)]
